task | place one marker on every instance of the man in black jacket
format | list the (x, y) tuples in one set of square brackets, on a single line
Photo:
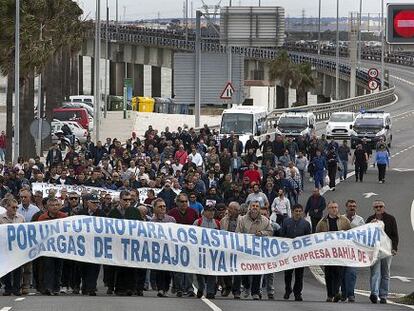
[(292, 228), (315, 206), (90, 271), (380, 271)]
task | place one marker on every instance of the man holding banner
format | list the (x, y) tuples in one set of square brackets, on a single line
[(333, 274), (163, 278), (294, 227), (52, 267), (12, 279), (254, 223), (380, 271)]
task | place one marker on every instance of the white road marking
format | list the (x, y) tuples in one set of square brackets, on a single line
[(20, 299), (210, 304), (367, 195), (5, 309), (403, 169), (207, 302), (402, 151), (403, 279), (412, 215), (320, 277)]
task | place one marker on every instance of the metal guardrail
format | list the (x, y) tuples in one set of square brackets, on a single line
[(324, 111)]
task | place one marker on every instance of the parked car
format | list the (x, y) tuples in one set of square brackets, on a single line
[(78, 131)]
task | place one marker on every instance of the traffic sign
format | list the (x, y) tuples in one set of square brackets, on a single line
[(373, 84), (227, 92), (400, 24), (373, 73), (34, 128)]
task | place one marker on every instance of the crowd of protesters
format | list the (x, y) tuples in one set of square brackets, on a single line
[(195, 178)]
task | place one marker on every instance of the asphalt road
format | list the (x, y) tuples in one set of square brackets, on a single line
[(397, 192)]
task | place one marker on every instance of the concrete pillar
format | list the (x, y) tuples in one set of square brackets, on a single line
[(138, 79), (155, 81), (80, 73), (280, 97), (112, 78), (116, 78), (343, 89)]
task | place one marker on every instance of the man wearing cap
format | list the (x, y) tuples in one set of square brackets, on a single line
[(207, 282), (90, 271), (71, 269)]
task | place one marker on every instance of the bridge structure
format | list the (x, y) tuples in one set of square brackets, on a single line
[(130, 48)]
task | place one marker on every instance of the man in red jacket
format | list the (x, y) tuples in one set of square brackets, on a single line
[(253, 174), (185, 215)]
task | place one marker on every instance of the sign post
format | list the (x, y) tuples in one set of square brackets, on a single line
[(227, 93), (127, 94)]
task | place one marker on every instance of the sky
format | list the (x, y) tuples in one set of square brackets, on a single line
[(147, 9)]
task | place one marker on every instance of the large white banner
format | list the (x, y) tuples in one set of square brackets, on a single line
[(192, 249), (46, 187)]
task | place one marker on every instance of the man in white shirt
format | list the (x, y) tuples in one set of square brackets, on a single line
[(350, 273), (27, 210), (195, 157), (280, 208)]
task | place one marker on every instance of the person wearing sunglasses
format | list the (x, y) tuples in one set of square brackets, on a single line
[(380, 271), (183, 214), (128, 281)]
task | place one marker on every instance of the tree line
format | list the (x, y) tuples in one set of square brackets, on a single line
[(51, 35)]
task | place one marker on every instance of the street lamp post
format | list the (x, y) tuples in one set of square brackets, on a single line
[(359, 33), (337, 52), (319, 28), (382, 45), (16, 137), (97, 91)]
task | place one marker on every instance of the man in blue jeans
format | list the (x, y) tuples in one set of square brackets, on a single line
[(380, 271), (350, 273)]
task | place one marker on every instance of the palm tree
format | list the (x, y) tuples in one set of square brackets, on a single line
[(283, 69), (60, 25), (304, 81)]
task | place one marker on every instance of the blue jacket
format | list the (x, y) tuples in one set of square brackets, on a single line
[(381, 157), (319, 163)]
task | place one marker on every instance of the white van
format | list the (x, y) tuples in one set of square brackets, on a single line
[(296, 123), (244, 121), (340, 125), (87, 99)]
